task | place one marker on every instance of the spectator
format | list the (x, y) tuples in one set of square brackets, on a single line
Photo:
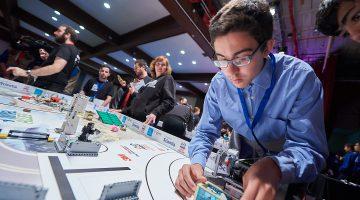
[(141, 72), (120, 94), (184, 101), (142, 78), (72, 82), (355, 176), (177, 121), (339, 17), (44, 55), (156, 97), (196, 115), (347, 162), (56, 70), (100, 88)]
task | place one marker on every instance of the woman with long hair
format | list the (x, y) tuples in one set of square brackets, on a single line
[(156, 97)]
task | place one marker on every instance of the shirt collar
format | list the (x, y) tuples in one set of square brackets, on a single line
[(263, 79)]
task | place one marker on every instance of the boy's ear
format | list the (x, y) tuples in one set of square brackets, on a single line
[(269, 46)]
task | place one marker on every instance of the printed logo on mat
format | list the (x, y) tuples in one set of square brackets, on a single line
[(129, 150), (141, 146), (150, 131), (157, 147), (124, 157)]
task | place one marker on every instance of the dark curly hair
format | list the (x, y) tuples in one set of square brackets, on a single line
[(326, 18), (252, 16)]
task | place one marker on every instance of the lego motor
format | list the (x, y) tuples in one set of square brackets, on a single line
[(87, 131)]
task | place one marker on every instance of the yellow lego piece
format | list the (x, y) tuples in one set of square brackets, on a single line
[(3, 135)]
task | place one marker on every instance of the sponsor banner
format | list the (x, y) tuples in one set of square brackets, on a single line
[(160, 136), (182, 148), (169, 142), (31, 90), (11, 85), (149, 131), (123, 119), (137, 126)]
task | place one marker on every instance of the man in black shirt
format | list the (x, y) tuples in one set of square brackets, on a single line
[(100, 88), (141, 72), (55, 71)]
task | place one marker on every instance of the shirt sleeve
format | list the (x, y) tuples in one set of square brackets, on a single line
[(110, 91), (167, 97), (64, 53), (207, 131), (305, 149), (347, 162)]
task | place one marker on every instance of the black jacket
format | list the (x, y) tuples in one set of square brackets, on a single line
[(182, 112), (156, 97)]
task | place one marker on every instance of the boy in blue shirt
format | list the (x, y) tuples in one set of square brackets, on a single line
[(275, 102)]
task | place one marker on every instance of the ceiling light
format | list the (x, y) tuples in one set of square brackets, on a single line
[(47, 35), (105, 63), (193, 62), (206, 84), (134, 59), (54, 18), (81, 27), (180, 86), (179, 63), (168, 54), (107, 5), (115, 67), (182, 52), (281, 52), (127, 60), (272, 11), (57, 12), (76, 31)]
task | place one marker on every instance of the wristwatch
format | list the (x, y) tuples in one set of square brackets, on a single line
[(28, 72)]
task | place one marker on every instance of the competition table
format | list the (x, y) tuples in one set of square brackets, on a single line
[(141, 153)]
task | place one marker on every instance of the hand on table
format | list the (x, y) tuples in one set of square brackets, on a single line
[(150, 119), (261, 180), (116, 110), (16, 71), (188, 177)]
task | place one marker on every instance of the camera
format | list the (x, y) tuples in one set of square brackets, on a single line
[(27, 43)]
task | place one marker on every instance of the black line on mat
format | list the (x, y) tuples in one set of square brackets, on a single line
[(61, 179), (96, 170)]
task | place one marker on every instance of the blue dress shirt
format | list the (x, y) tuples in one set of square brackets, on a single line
[(292, 123)]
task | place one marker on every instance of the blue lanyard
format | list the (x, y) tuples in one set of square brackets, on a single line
[(262, 105)]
